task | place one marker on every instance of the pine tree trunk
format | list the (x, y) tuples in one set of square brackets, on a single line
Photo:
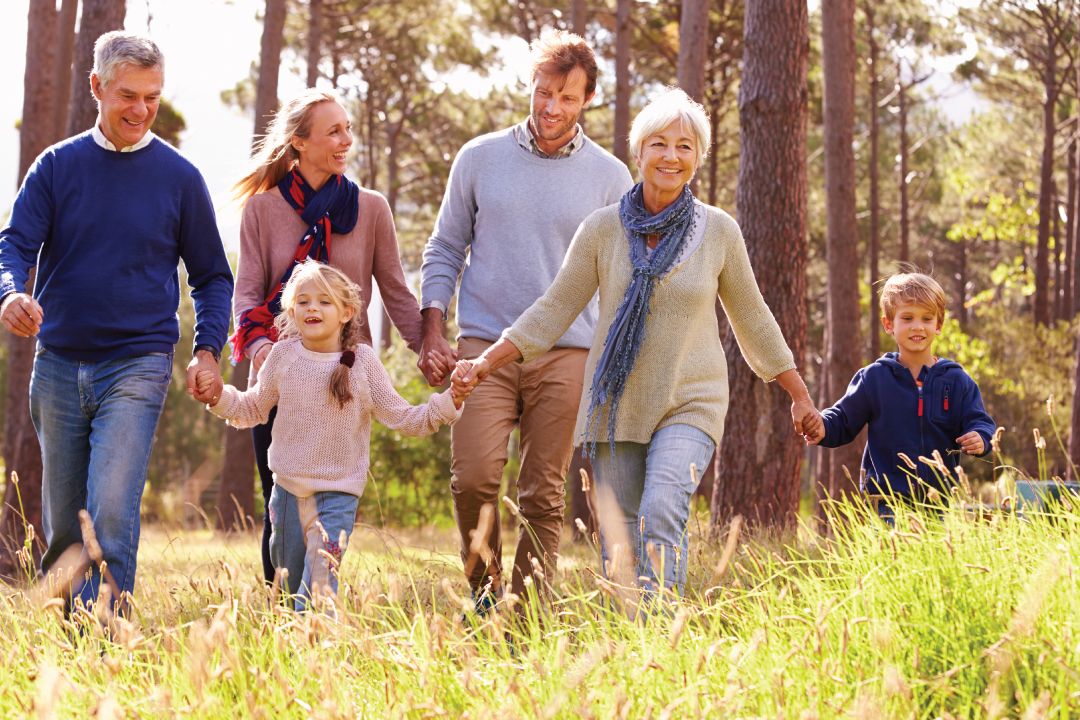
[(65, 50), (760, 457), (236, 494), (1074, 430), (874, 241), (1042, 304), (22, 456), (843, 356), (693, 47), (98, 17), (960, 300), (266, 92), (1067, 304), (622, 79), (314, 41), (905, 225)]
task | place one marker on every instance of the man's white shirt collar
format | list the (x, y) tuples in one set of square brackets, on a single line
[(102, 141)]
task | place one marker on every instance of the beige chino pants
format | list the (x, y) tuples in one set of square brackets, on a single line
[(542, 398)]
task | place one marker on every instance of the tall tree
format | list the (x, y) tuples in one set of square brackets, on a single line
[(1042, 33), (314, 41), (843, 354), (873, 244), (693, 47), (22, 502), (622, 79), (1074, 433), (65, 49), (98, 17), (760, 459), (236, 493), (266, 89)]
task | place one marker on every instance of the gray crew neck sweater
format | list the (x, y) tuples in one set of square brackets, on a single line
[(505, 224)]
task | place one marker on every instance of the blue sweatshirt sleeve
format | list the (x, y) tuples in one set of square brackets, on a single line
[(445, 252), (974, 415), (208, 270), (849, 415), (28, 227)]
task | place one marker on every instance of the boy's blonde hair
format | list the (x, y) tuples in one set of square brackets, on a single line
[(912, 288), (345, 294)]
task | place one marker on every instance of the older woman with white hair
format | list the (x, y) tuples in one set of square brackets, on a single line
[(659, 393)]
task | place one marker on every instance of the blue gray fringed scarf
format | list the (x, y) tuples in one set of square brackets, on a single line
[(627, 332)]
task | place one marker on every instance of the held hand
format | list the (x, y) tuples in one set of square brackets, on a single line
[(204, 381), (204, 362), (436, 359), (21, 315), (471, 373), (971, 443), (814, 431), (805, 417)]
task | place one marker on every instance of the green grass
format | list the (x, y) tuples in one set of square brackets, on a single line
[(935, 618)]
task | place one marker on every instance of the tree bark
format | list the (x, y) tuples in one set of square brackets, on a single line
[(622, 79), (1042, 304), (236, 494), (98, 17), (1067, 305), (760, 455), (314, 41), (266, 90), (1074, 431), (22, 456), (65, 50), (843, 355), (960, 302), (905, 224), (874, 241), (693, 47)]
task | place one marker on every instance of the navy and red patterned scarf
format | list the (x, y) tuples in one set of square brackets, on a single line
[(333, 208)]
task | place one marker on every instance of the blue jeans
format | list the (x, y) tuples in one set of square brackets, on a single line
[(95, 422), (302, 527), (651, 487)]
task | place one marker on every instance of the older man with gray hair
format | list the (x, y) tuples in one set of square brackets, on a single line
[(107, 215)]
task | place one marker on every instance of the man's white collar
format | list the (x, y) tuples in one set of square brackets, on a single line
[(102, 141)]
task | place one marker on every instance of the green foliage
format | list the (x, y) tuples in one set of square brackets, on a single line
[(409, 482)]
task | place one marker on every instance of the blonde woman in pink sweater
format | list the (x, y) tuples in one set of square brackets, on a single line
[(327, 385), (299, 204)]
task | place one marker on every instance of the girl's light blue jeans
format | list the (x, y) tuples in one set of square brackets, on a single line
[(651, 485), (308, 537)]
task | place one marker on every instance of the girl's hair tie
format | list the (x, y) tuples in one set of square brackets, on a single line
[(348, 358)]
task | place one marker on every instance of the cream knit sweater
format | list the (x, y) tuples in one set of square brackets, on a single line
[(317, 445), (680, 375)]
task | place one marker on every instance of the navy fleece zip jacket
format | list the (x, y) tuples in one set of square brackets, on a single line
[(107, 231), (906, 419)]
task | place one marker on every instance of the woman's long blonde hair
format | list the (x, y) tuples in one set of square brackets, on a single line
[(274, 154), (345, 294)]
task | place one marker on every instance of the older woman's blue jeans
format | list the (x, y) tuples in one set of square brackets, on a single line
[(651, 485)]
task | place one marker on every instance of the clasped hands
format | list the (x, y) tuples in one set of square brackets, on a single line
[(466, 376)]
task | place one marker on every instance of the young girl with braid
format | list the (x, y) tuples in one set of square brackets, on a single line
[(327, 385)]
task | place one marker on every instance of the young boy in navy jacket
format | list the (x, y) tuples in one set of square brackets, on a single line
[(913, 401)]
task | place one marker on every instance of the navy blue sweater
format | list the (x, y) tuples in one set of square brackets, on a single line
[(904, 420), (111, 228)]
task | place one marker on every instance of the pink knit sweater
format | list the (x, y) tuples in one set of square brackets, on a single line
[(317, 445), (270, 231)]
